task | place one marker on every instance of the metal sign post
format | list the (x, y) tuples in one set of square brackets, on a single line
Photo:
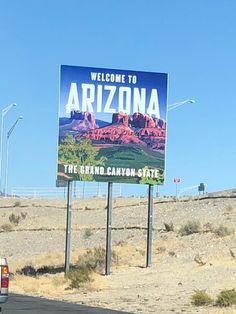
[(149, 225), (68, 227), (109, 229), (176, 181)]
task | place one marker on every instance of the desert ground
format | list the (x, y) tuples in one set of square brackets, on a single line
[(32, 233)]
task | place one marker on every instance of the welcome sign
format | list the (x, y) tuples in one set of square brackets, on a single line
[(112, 125)]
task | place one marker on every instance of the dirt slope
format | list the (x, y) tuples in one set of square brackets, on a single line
[(180, 263)]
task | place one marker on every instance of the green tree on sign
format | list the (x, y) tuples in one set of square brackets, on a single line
[(153, 181), (67, 151), (80, 154)]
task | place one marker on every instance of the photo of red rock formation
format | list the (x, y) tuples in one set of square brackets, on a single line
[(124, 129)]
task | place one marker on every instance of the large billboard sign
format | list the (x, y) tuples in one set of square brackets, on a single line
[(112, 125)]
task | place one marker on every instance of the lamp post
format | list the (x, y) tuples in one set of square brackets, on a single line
[(169, 108), (7, 155), (4, 111), (180, 103)]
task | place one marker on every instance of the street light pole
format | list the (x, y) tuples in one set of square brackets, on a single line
[(3, 113), (7, 154), (169, 108)]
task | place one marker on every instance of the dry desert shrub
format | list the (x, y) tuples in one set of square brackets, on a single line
[(14, 219), (122, 242), (223, 231), (17, 204), (6, 227), (23, 215), (199, 260), (59, 280), (190, 227), (161, 249), (226, 297), (44, 285), (25, 284), (200, 298), (94, 259), (29, 286), (78, 277), (87, 233), (169, 226), (88, 208), (229, 209), (208, 227)]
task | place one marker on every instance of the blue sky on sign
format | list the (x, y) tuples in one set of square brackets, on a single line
[(192, 41)]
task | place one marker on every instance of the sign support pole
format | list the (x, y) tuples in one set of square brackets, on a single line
[(109, 229), (68, 227), (149, 226)]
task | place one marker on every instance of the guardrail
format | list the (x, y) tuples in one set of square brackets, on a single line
[(83, 190)]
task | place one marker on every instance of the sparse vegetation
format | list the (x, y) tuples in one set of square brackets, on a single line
[(199, 260), (229, 209), (94, 259), (169, 226), (226, 297), (161, 249), (200, 298), (78, 276), (59, 280), (176, 257), (87, 233), (6, 227), (23, 215), (190, 227), (121, 242), (208, 227), (14, 219), (223, 231), (87, 208), (17, 204)]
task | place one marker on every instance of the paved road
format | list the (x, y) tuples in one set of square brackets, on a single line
[(19, 304)]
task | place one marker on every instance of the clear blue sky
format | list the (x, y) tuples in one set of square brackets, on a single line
[(192, 40)]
